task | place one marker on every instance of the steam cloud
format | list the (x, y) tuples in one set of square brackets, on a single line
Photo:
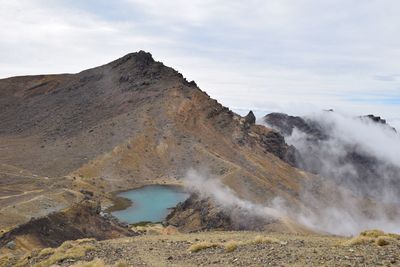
[(208, 186), (360, 157), (348, 199)]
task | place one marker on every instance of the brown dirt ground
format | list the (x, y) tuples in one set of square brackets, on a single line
[(155, 249)]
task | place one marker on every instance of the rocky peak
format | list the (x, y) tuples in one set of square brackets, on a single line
[(378, 119), (250, 118), (140, 59), (141, 56)]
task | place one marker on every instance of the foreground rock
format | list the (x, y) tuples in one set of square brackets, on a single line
[(82, 220)]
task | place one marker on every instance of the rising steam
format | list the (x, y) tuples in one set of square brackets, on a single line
[(349, 197), (208, 186), (360, 157)]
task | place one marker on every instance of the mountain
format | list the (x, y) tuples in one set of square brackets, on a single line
[(128, 123), (70, 142)]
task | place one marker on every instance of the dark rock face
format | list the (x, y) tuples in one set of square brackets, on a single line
[(197, 214), (285, 125), (378, 119), (250, 118), (80, 221), (271, 141), (274, 143), (374, 118), (200, 212)]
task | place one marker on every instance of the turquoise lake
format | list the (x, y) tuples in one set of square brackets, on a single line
[(150, 203)]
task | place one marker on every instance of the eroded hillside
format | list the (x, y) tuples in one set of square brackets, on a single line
[(125, 124)]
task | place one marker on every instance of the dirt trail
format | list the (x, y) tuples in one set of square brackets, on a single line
[(23, 193)]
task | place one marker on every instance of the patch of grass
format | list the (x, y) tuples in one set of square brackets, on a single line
[(372, 233), (156, 229), (5, 260), (72, 253), (93, 263), (231, 246), (382, 241), (98, 263), (45, 252), (121, 264), (23, 261), (376, 237), (119, 203), (394, 236), (170, 230), (144, 223), (358, 240), (264, 239), (202, 245), (68, 250)]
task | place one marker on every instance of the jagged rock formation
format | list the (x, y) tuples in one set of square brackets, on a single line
[(274, 142), (353, 167), (196, 214), (379, 120), (285, 124), (250, 118)]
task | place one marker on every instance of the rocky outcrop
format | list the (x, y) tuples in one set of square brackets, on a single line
[(196, 214), (83, 220), (250, 118), (272, 142), (275, 143), (285, 124), (379, 120)]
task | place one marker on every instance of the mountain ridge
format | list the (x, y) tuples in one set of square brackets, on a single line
[(122, 125)]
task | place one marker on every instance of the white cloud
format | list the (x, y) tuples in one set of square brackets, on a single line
[(254, 54)]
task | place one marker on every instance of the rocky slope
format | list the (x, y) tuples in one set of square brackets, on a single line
[(122, 125), (78, 221)]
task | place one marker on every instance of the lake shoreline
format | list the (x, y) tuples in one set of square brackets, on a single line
[(122, 203), (119, 203), (147, 199)]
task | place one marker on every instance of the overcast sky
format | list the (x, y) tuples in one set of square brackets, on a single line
[(267, 55)]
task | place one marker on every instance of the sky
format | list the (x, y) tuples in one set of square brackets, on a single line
[(292, 56)]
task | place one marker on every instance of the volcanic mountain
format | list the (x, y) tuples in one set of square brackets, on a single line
[(70, 142), (129, 123)]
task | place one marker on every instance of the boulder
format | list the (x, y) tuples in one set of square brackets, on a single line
[(11, 245)]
